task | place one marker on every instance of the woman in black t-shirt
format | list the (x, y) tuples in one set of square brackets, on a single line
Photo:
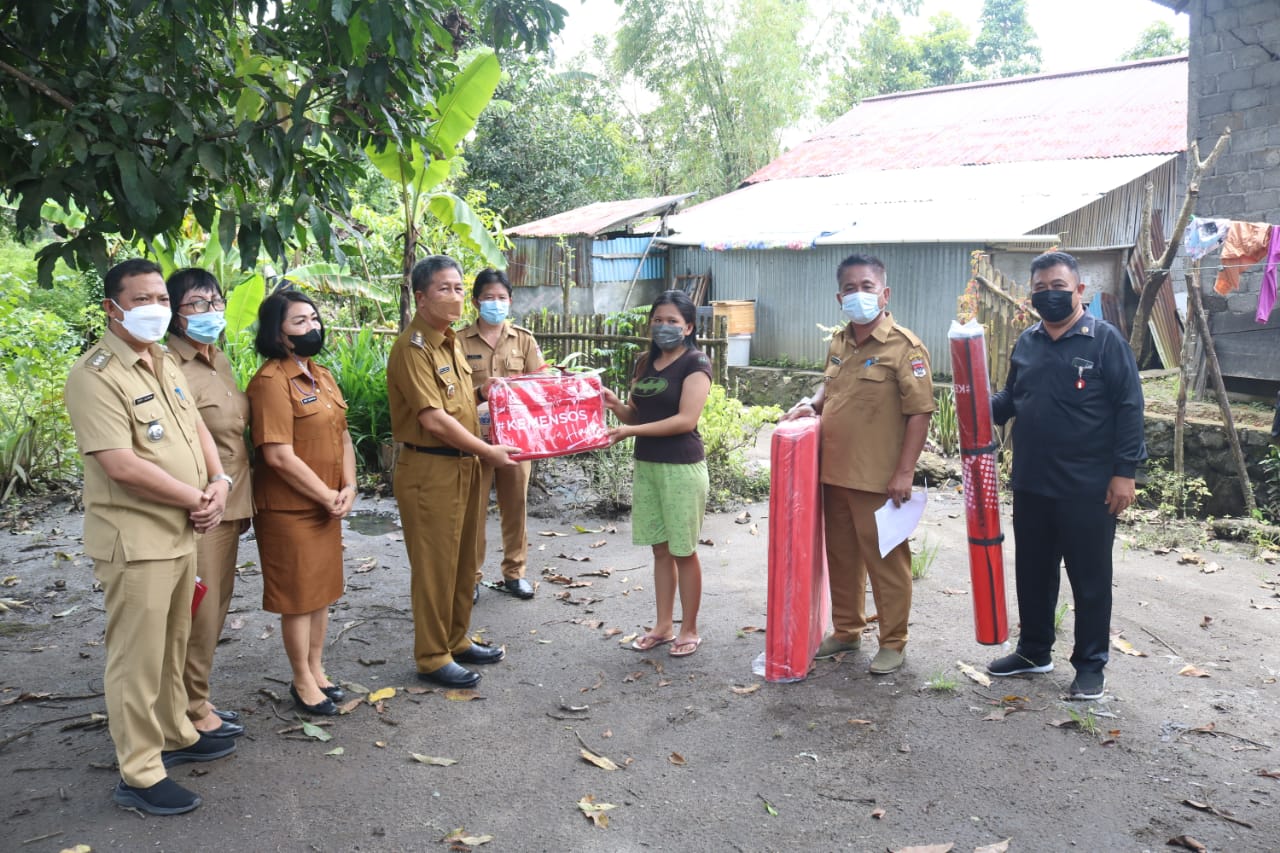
[(669, 493)]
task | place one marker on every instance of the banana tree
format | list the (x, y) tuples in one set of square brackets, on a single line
[(419, 166)]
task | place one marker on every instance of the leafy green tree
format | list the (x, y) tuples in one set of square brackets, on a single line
[(1006, 41), (552, 142), (729, 76), (250, 113), (1155, 41)]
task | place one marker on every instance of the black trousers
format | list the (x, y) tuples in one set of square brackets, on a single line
[(1047, 533)]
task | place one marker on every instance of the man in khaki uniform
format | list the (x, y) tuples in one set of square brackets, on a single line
[(496, 348), (152, 480), (875, 402), (437, 477)]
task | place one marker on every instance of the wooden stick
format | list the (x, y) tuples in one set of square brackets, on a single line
[(1159, 640)]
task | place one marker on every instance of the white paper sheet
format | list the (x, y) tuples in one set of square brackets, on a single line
[(896, 523)]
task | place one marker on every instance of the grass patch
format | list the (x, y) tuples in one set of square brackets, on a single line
[(943, 681), (1058, 616), (1085, 721), (922, 560)]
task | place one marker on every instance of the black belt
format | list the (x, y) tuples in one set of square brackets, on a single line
[(438, 451)]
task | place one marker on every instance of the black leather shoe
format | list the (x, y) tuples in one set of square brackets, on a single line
[(205, 749), (163, 798), (334, 692), (478, 654), (519, 587), (225, 730), (325, 708), (475, 595), (451, 675), (226, 716)]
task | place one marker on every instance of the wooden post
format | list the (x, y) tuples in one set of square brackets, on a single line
[(1196, 309), (1180, 418)]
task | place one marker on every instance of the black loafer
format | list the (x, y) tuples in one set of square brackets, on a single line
[(334, 692), (324, 708), (451, 675), (163, 798), (475, 595), (205, 749), (225, 730), (226, 716), (519, 587), (478, 654)]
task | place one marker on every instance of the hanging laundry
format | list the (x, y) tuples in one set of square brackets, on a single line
[(1246, 244), (1203, 236), (1267, 295)]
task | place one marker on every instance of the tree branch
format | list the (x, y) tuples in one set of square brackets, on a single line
[(39, 85)]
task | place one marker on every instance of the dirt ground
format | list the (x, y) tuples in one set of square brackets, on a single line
[(710, 757)]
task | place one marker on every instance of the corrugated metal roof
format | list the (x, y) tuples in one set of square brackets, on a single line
[(1123, 110), (997, 202), (598, 218)]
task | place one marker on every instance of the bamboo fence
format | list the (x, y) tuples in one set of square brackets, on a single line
[(1003, 314)]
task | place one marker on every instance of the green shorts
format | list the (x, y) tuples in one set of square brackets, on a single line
[(668, 501)]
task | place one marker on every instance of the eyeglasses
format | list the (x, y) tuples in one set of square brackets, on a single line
[(202, 306)]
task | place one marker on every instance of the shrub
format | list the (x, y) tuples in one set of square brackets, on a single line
[(944, 427), (729, 429), (359, 366)]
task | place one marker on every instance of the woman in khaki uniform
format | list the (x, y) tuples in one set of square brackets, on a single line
[(194, 330), (303, 486)]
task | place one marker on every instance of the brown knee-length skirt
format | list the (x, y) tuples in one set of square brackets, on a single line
[(301, 554)]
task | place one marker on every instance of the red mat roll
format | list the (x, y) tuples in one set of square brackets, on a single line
[(981, 484), (799, 607)]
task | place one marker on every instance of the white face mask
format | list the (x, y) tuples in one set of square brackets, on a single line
[(146, 323), (861, 308)]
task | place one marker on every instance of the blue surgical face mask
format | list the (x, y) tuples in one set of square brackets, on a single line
[(207, 327), (861, 308), (494, 311)]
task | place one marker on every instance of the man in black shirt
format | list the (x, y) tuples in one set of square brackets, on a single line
[(1073, 386)]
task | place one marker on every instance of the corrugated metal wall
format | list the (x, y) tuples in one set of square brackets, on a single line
[(606, 266), (794, 291), (1112, 220), (540, 261)]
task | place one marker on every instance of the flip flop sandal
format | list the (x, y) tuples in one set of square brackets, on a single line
[(649, 642), (690, 645)]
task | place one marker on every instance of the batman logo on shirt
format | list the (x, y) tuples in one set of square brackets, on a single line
[(650, 386)]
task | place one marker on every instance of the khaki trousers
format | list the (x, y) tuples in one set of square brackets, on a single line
[(442, 513), (148, 619), (216, 567), (513, 496), (853, 554)]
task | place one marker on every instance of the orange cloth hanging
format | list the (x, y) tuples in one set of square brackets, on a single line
[(1246, 245)]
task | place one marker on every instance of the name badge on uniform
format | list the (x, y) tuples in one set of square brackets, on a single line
[(473, 357), (310, 399), (443, 370), (144, 399), (835, 359), (155, 431)]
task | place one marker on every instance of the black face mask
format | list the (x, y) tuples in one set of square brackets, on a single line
[(305, 346), (1052, 305)]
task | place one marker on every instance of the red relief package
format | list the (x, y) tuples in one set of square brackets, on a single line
[(548, 414)]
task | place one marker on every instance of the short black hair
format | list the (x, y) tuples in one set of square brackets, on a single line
[(487, 277), (182, 282), (858, 259), (424, 269), (113, 281), (271, 314), (1053, 259)]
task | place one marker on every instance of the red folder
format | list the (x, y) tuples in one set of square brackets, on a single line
[(799, 599)]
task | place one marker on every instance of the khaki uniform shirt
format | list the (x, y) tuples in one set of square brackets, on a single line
[(288, 409), (224, 408), (117, 403), (427, 369), (517, 353), (870, 391)]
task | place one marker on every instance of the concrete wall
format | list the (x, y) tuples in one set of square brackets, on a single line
[(1234, 83)]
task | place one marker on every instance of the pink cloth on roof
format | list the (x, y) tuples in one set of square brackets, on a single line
[(1267, 295)]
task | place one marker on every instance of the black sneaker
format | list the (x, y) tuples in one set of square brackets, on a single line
[(163, 798), (1016, 664), (205, 749), (1087, 685)]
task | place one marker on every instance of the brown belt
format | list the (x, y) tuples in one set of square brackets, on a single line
[(438, 451)]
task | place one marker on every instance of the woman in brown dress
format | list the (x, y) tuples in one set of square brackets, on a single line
[(194, 332), (303, 486)]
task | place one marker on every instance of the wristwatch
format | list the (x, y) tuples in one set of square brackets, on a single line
[(224, 478)]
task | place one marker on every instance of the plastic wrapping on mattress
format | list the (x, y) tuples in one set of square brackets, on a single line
[(548, 414)]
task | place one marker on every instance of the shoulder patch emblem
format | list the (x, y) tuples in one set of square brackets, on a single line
[(418, 340), (917, 366), (100, 359)]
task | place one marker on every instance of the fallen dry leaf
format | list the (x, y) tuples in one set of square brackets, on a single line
[(552, 577), (677, 759), (597, 813), (337, 750), (955, 592), (1121, 644), (973, 674), (753, 530), (1186, 842), (1206, 621), (432, 760), (462, 695), (418, 691), (459, 836), (577, 558), (1193, 672), (551, 533), (877, 813), (11, 580), (633, 676), (1210, 568), (710, 542), (599, 683), (368, 564), (1255, 605), (627, 640), (607, 733), (598, 573), (1270, 774), (998, 847), (79, 848), (744, 691), (751, 629), (927, 848), (1191, 559), (854, 721), (350, 705), (601, 761), (998, 715), (379, 695), (664, 682), (380, 744), (600, 544), (742, 517)]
